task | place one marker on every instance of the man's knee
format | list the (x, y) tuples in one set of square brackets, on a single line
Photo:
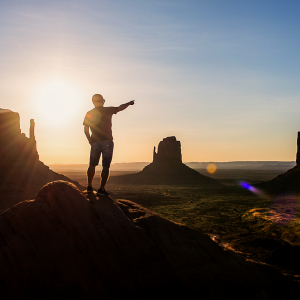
[(105, 169), (91, 168)]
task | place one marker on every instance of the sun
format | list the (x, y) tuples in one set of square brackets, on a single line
[(57, 102)]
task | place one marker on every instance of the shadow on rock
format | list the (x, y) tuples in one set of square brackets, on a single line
[(61, 245)]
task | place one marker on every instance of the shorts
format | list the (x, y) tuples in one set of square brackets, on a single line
[(104, 147)]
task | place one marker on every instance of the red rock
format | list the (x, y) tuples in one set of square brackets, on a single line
[(22, 174), (286, 183), (169, 149), (61, 245), (167, 169)]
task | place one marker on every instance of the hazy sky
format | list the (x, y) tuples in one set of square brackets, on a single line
[(220, 75)]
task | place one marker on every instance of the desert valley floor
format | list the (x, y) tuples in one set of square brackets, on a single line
[(238, 219)]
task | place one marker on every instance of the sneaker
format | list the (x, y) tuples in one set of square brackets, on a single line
[(102, 192), (89, 189)]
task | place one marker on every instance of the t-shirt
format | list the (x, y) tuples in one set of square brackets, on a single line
[(99, 120)]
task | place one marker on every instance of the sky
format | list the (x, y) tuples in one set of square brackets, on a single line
[(221, 76)]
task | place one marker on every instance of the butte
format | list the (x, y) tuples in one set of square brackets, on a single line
[(167, 169), (22, 174), (288, 182)]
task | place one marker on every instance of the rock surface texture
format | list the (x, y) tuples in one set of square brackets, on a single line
[(22, 174), (167, 169), (63, 246)]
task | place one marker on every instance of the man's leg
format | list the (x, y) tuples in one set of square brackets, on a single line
[(90, 175), (107, 153), (94, 160), (104, 177)]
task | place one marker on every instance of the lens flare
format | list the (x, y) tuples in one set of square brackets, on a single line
[(250, 188), (211, 168)]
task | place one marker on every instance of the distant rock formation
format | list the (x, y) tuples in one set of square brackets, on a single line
[(298, 150), (22, 174), (167, 169), (169, 150), (16, 149), (62, 246), (288, 182)]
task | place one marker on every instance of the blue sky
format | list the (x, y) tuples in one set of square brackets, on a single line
[(222, 76)]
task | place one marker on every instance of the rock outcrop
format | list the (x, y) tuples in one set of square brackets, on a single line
[(169, 150), (167, 169), (298, 149), (22, 174), (289, 182), (16, 149), (62, 246)]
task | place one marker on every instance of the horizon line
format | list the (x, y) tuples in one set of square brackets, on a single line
[(136, 162)]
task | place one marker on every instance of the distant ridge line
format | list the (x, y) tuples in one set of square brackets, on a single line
[(138, 166)]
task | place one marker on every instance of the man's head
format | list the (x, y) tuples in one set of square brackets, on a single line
[(98, 100)]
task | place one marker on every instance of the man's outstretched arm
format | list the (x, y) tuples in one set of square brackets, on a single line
[(87, 133), (125, 105)]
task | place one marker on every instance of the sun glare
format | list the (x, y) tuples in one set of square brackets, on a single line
[(211, 168), (57, 102)]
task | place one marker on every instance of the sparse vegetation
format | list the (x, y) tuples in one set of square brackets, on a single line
[(227, 213)]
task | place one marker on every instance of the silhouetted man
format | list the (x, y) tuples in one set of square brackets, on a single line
[(99, 121)]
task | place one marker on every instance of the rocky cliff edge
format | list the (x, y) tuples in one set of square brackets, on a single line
[(63, 245)]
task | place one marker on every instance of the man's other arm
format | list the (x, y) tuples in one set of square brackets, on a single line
[(87, 133), (125, 105)]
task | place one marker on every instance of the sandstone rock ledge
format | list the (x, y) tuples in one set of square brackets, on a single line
[(61, 245)]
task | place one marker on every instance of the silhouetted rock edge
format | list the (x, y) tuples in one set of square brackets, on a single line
[(62, 245)]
